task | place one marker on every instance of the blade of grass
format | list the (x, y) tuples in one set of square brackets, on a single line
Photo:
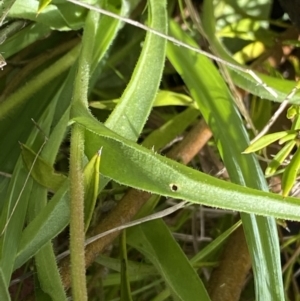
[(110, 27), (170, 130), (28, 245), (13, 217), (38, 233), (215, 244), (23, 38), (45, 261), (134, 107), (217, 106), (11, 134), (154, 240), (4, 295), (125, 284), (23, 94)]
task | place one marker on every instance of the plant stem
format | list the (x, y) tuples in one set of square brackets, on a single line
[(77, 236), (80, 106)]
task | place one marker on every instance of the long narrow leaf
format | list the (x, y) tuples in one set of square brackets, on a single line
[(157, 174), (217, 106), (133, 109), (154, 240)]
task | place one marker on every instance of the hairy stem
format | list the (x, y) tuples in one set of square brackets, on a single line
[(77, 235)]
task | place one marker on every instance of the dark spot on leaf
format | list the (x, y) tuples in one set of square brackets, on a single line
[(173, 187)]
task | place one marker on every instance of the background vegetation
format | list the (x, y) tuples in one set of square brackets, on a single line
[(103, 105)]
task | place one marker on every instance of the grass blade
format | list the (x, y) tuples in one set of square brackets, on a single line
[(218, 108)]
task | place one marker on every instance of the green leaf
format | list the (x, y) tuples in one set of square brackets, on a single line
[(55, 216), (290, 173), (218, 108), (108, 29), (135, 105), (43, 4), (279, 158), (154, 173), (45, 261), (12, 218), (134, 268), (292, 111), (50, 222), (57, 211), (171, 129), (125, 284), (163, 98), (46, 264), (41, 171), (22, 95), (91, 187), (155, 241), (241, 78), (63, 16), (4, 295), (23, 38), (215, 244), (5, 7), (169, 98), (291, 136), (265, 141)]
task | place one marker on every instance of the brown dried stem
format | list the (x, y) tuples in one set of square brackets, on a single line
[(227, 280)]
